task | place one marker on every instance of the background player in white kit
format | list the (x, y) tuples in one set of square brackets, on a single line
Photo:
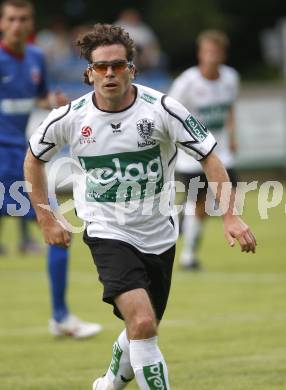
[(209, 90), (122, 135)]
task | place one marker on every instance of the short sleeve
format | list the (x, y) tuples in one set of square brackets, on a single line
[(186, 131), (51, 135)]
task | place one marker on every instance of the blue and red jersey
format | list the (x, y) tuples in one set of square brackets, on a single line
[(23, 79)]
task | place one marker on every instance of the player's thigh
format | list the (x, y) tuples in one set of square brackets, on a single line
[(119, 266)]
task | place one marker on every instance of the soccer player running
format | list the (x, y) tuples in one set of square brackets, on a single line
[(209, 90), (124, 136), (23, 85)]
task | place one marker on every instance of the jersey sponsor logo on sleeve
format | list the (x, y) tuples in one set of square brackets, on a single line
[(79, 104), (145, 129), (105, 174), (148, 98), (198, 130)]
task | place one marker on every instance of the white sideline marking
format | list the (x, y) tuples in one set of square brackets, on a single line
[(25, 331), (233, 276), (207, 321)]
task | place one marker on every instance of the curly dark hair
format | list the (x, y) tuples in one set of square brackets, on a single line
[(104, 35)]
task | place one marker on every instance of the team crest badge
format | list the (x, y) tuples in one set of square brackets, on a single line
[(145, 129)]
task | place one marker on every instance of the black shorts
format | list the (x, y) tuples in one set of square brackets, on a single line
[(186, 177), (121, 267)]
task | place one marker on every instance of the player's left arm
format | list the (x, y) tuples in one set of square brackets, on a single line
[(192, 136), (231, 128), (235, 229)]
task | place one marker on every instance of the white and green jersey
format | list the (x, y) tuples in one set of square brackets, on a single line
[(210, 101), (133, 149)]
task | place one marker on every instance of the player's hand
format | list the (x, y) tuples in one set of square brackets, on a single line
[(60, 99), (54, 233), (236, 230), (57, 99)]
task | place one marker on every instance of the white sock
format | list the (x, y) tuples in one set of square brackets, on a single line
[(191, 230), (120, 371), (148, 364)]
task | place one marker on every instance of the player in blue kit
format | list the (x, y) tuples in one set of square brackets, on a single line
[(23, 84), (17, 96)]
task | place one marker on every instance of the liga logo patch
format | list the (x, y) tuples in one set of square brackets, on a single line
[(198, 130), (86, 131), (86, 136)]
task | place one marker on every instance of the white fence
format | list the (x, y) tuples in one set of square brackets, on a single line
[(261, 132)]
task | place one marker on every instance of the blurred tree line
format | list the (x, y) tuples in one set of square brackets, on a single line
[(177, 24)]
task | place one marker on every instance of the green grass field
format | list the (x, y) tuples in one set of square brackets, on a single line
[(224, 328)]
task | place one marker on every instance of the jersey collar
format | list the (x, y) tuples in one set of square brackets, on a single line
[(9, 51), (116, 112)]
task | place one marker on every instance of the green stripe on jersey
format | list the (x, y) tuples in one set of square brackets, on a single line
[(106, 173), (214, 116)]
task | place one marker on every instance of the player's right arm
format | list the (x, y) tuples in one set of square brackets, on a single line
[(193, 137), (44, 143), (52, 230)]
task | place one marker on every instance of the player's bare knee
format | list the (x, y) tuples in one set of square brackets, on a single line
[(143, 327)]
